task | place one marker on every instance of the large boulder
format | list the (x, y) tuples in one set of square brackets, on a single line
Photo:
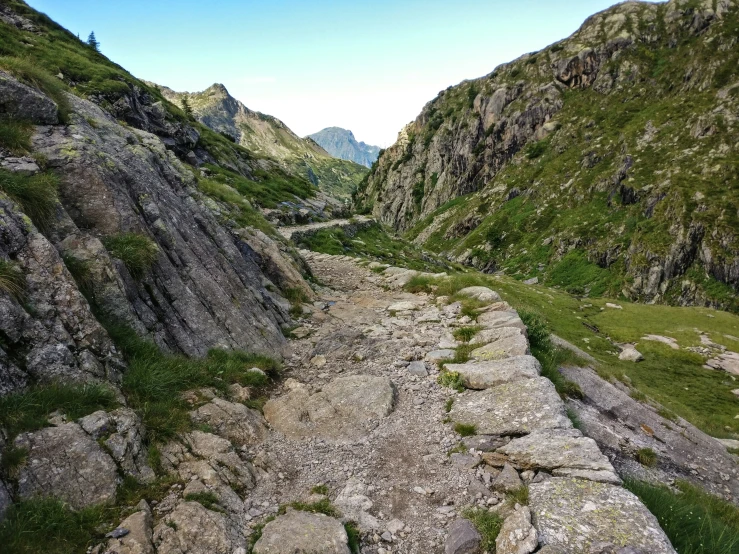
[(484, 375), (234, 421), (303, 533), (66, 463), (574, 515), (561, 452), (342, 409), (512, 409), (483, 294), (19, 101)]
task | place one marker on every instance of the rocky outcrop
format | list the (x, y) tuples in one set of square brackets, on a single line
[(21, 102), (533, 139), (302, 532)]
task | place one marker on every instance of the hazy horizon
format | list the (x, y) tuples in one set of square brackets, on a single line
[(366, 67)]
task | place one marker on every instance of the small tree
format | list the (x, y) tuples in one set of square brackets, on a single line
[(92, 42), (186, 107)]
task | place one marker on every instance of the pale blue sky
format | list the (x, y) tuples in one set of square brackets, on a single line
[(366, 66)]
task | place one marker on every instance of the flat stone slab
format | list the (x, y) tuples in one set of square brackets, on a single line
[(486, 336), (405, 306), (515, 408), (439, 355), (303, 533), (66, 463), (342, 409), (483, 294), (573, 515), (236, 422), (495, 319), (507, 347), (484, 375), (554, 449), (728, 361)]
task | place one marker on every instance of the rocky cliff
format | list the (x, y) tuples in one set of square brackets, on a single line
[(341, 143), (604, 163), (266, 135)]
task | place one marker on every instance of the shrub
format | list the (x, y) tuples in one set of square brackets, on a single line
[(15, 135), (36, 194), (12, 280), (646, 457), (488, 524), (137, 252)]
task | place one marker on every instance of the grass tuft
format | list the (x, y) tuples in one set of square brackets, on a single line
[(465, 430), (646, 457), (30, 73), (519, 495), (138, 252), (320, 489), (15, 135), (353, 535), (36, 194), (488, 524), (208, 500), (466, 334), (451, 379), (12, 280)]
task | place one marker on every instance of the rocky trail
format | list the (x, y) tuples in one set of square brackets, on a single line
[(361, 426)]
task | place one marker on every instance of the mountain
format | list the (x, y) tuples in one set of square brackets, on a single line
[(265, 135), (604, 163), (341, 143)]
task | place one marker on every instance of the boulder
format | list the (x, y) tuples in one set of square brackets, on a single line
[(507, 347), (484, 375), (560, 451), (354, 504), (19, 101), (573, 515), (418, 369), (66, 463), (483, 294), (512, 409), (139, 536), (193, 529), (234, 421), (463, 538), (344, 408), (507, 480), (630, 354), (440, 355), (303, 533), (517, 535)]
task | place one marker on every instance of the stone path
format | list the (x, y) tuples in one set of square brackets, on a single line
[(361, 422), (363, 414), (289, 230)]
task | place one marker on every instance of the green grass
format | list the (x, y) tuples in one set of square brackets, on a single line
[(448, 404), (15, 135), (519, 496), (465, 430), (488, 524), (354, 536), (27, 70), (694, 521), (154, 381), (29, 410), (11, 460), (646, 457), (41, 525), (138, 252), (323, 506), (450, 379), (320, 489), (466, 334), (208, 500), (12, 279), (36, 194)]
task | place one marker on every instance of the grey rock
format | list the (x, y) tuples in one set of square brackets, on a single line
[(486, 336), (22, 102), (557, 450), (517, 535), (342, 409), (487, 374), (138, 536), (193, 529), (64, 462), (497, 319), (630, 354), (354, 505), (5, 500), (508, 347), (303, 533), (507, 480), (513, 408), (483, 294), (602, 512), (24, 165), (463, 538), (234, 421), (532, 281), (439, 355), (418, 369)]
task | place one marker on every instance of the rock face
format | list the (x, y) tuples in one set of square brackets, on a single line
[(574, 514), (501, 140), (343, 408), (302, 533), (64, 462), (340, 143)]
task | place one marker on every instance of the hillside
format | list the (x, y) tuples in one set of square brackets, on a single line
[(268, 136), (341, 143), (605, 163)]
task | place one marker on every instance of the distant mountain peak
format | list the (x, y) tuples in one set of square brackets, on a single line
[(341, 143)]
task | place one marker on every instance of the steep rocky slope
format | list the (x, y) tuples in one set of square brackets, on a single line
[(268, 136), (341, 143), (606, 162)]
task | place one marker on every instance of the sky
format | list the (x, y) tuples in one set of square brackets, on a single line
[(365, 66)]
